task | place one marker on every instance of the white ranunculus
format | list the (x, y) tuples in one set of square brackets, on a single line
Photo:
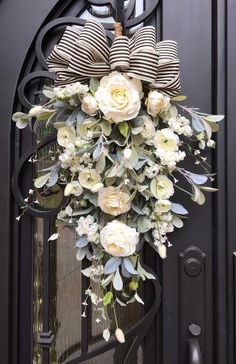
[(162, 206), (88, 129), (157, 102), (89, 105), (73, 188), (162, 187), (88, 178), (166, 140), (119, 96), (118, 239), (148, 130), (65, 136)]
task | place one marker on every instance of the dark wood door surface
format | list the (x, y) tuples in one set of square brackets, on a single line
[(198, 279)]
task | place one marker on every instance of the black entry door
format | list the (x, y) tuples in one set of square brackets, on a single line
[(41, 286)]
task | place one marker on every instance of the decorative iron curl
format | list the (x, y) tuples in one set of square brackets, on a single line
[(16, 185)]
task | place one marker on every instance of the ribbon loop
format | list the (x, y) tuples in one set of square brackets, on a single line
[(81, 54)]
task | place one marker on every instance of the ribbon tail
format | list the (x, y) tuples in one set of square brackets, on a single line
[(168, 77)]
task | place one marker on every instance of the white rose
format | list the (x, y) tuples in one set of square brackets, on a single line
[(162, 187), (73, 188), (166, 140), (156, 102), (89, 105), (65, 136), (118, 239), (119, 96), (88, 178)]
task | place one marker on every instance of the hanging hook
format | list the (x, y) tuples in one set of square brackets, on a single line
[(120, 16)]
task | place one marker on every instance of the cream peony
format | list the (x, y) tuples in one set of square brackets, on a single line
[(89, 105), (88, 178), (113, 201), (119, 96), (156, 102), (166, 140), (65, 136), (118, 239), (73, 188), (162, 187)]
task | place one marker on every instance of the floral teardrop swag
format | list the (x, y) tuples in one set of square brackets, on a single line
[(120, 140)]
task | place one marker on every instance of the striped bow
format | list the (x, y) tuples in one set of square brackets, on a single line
[(81, 54)]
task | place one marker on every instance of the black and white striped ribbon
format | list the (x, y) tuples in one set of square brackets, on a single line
[(81, 54)]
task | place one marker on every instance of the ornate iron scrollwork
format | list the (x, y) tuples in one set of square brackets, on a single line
[(38, 72)]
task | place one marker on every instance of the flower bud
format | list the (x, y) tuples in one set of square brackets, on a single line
[(133, 286), (162, 251), (120, 335), (127, 153)]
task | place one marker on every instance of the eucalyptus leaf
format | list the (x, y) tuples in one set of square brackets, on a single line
[(106, 335), (117, 281), (137, 209), (177, 222), (93, 84), (82, 242), (138, 299), (199, 179), (209, 189), (129, 266), (106, 127), (81, 252), (107, 298), (97, 151), (122, 304), (179, 98), (124, 128), (197, 123), (124, 271), (101, 163), (42, 180), (178, 208), (111, 265), (214, 118), (87, 271), (144, 224)]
